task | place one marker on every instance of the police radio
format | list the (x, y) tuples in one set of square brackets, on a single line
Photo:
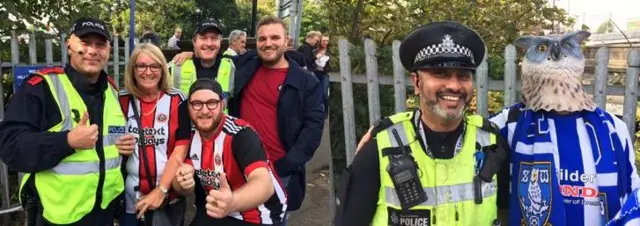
[(404, 174)]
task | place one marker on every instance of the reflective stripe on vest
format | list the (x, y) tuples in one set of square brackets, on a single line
[(79, 168), (455, 193), (446, 182), (184, 75), (110, 139), (67, 192)]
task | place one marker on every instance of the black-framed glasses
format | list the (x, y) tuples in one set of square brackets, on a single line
[(143, 67), (211, 104)]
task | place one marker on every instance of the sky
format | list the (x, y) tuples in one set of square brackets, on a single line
[(594, 12)]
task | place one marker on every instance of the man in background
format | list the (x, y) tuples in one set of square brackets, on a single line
[(237, 43), (150, 36), (311, 42), (173, 41)]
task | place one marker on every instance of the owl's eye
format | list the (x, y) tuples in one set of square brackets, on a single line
[(542, 48)]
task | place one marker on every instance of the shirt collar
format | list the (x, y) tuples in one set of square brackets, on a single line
[(232, 51), (82, 84)]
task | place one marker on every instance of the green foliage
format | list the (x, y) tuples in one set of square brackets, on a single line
[(496, 66), (605, 27), (22, 15), (314, 18), (498, 22)]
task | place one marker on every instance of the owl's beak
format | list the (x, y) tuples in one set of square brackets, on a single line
[(555, 52)]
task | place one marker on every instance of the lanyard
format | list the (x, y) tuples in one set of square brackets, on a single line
[(420, 126)]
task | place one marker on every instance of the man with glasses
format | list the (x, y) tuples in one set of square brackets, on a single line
[(61, 128), (233, 180)]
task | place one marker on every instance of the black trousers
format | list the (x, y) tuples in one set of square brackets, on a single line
[(97, 217)]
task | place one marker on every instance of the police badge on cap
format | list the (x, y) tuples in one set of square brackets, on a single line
[(442, 45)]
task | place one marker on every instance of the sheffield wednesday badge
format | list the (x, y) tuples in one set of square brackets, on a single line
[(534, 192)]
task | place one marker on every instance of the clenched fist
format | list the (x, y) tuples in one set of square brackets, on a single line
[(83, 136), (184, 176)]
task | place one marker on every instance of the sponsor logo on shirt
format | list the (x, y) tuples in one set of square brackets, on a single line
[(534, 191), (409, 218), (209, 178), (576, 194), (152, 136)]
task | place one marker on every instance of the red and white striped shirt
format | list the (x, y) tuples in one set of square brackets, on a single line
[(236, 150), (160, 123)]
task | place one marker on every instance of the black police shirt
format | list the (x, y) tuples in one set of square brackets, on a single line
[(358, 189), (207, 72)]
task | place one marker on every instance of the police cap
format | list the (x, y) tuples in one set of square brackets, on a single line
[(207, 25), (84, 26), (442, 45)]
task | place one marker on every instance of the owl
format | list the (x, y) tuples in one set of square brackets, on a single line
[(552, 72)]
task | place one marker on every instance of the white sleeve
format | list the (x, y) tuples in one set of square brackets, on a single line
[(626, 139), (500, 119)]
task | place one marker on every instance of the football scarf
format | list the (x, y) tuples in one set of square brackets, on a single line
[(554, 180)]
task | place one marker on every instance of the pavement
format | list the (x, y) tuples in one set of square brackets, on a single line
[(315, 210)]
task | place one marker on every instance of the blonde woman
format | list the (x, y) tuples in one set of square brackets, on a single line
[(149, 100)]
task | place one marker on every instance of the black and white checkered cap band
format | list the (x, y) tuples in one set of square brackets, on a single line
[(438, 49)]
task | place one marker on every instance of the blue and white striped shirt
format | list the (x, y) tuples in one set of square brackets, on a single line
[(558, 149)]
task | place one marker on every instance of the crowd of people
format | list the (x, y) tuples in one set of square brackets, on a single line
[(236, 128), (233, 128)]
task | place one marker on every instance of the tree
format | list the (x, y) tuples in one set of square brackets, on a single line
[(498, 22), (314, 18), (605, 27)]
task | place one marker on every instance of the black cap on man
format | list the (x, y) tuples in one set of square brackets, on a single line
[(208, 25), (85, 26), (442, 45)]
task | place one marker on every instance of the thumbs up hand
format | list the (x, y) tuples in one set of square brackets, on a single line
[(83, 136), (219, 201), (184, 177)]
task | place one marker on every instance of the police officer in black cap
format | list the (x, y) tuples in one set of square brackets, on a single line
[(60, 130), (435, 165)]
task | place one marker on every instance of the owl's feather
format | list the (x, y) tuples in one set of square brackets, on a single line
[(552, 73)]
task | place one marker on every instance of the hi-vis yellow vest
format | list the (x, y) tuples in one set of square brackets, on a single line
[(448, 183), (184, 75), (67, 192)]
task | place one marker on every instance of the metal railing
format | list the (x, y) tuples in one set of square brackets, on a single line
[(509, 85)]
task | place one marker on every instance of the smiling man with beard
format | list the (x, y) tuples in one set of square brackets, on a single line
[(283, 102), (428, 166), (227, 167)]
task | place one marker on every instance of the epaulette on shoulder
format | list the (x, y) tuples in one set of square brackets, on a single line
[(38, 76), (35, 79), (50, 70), (381, 125)]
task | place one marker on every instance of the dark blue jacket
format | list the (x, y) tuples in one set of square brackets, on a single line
[(300, 116)]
